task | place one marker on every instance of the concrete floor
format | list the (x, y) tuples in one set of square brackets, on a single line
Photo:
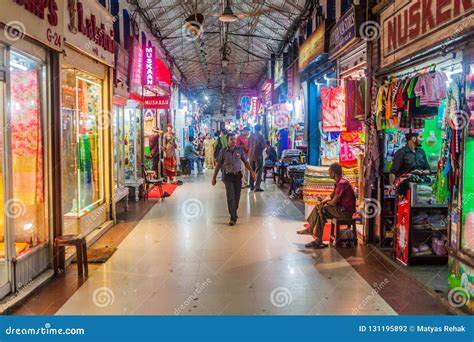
[(183, 258)]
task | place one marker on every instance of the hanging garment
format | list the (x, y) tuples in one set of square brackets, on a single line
[(380, 107), (330, 147), (332, 108), (431, 88), (348, 156)]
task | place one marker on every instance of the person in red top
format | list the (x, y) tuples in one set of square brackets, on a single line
[(243, 142), (341, 204)]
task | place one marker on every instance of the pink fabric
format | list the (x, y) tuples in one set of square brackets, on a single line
[(348, 156), (333, 109), (26, 137)]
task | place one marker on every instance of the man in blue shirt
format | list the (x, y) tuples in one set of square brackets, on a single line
[(192, 155), (230, 160)]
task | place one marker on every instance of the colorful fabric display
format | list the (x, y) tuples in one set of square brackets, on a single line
[(332, 108)]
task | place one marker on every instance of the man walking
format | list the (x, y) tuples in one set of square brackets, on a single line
[(243, 142), (230, 160), (256, 147)]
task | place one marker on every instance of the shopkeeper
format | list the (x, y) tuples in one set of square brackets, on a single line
[(410, 159)]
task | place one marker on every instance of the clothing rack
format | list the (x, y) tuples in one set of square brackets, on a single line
[(423, 70)]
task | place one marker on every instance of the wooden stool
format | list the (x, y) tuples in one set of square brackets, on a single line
[(270, 168), (81, 252), (336, 235)]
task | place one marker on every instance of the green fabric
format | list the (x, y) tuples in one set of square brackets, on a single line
[(224, 141), (468, 184), (440, 187), (432, 142)]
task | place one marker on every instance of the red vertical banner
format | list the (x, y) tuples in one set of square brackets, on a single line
[(163, 75), (403, 229), (149, 66)]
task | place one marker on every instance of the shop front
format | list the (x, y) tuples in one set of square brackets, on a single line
[(87, 119), (29, 54), (314, 68), (121, 191), (342, 110), (420, 90)]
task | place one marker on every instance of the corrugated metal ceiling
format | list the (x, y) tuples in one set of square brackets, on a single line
[(250, 42)]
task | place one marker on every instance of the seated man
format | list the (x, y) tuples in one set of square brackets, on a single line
[(340, 205), (192, 155), (271, 155)]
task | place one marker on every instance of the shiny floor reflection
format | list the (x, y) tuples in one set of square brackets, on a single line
[(183, 259)]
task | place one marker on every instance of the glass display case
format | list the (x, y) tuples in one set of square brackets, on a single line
[(24, 167), (133, 146), (149, 124), (121, 190), (82, 146)]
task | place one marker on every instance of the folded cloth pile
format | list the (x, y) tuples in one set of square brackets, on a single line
[(318, 184)]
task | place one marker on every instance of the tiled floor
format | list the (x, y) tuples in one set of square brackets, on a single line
[(183, 258)]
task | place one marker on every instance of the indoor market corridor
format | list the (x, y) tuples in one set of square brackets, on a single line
[(183, 258)]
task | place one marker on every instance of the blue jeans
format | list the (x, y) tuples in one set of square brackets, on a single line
[(197, 160)]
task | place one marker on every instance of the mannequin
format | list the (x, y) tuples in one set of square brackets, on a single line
[(169, 154)]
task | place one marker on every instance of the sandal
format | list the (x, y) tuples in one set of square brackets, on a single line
[(305, 231)]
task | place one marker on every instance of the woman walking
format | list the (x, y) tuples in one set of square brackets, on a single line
[(209, 151)]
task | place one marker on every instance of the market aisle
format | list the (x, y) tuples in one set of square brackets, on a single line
[(183, 258)]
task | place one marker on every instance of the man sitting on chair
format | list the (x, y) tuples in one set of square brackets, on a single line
[(339, 205)]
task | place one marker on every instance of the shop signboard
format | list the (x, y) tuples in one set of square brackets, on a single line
[(157, 102), (149, 60), (38, 19), (278, 72), (163, 75), (89, 28), (291, 84), (267, 91), (312, 47), (136, 67), (345, 33), (409, 26), (254, 106), (121, 71)]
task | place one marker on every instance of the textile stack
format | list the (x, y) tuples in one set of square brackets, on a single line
[(318, 184)]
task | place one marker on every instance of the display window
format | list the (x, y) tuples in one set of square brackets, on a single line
[(82, 142), (133, 143), (119, 146), (23, 183)]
